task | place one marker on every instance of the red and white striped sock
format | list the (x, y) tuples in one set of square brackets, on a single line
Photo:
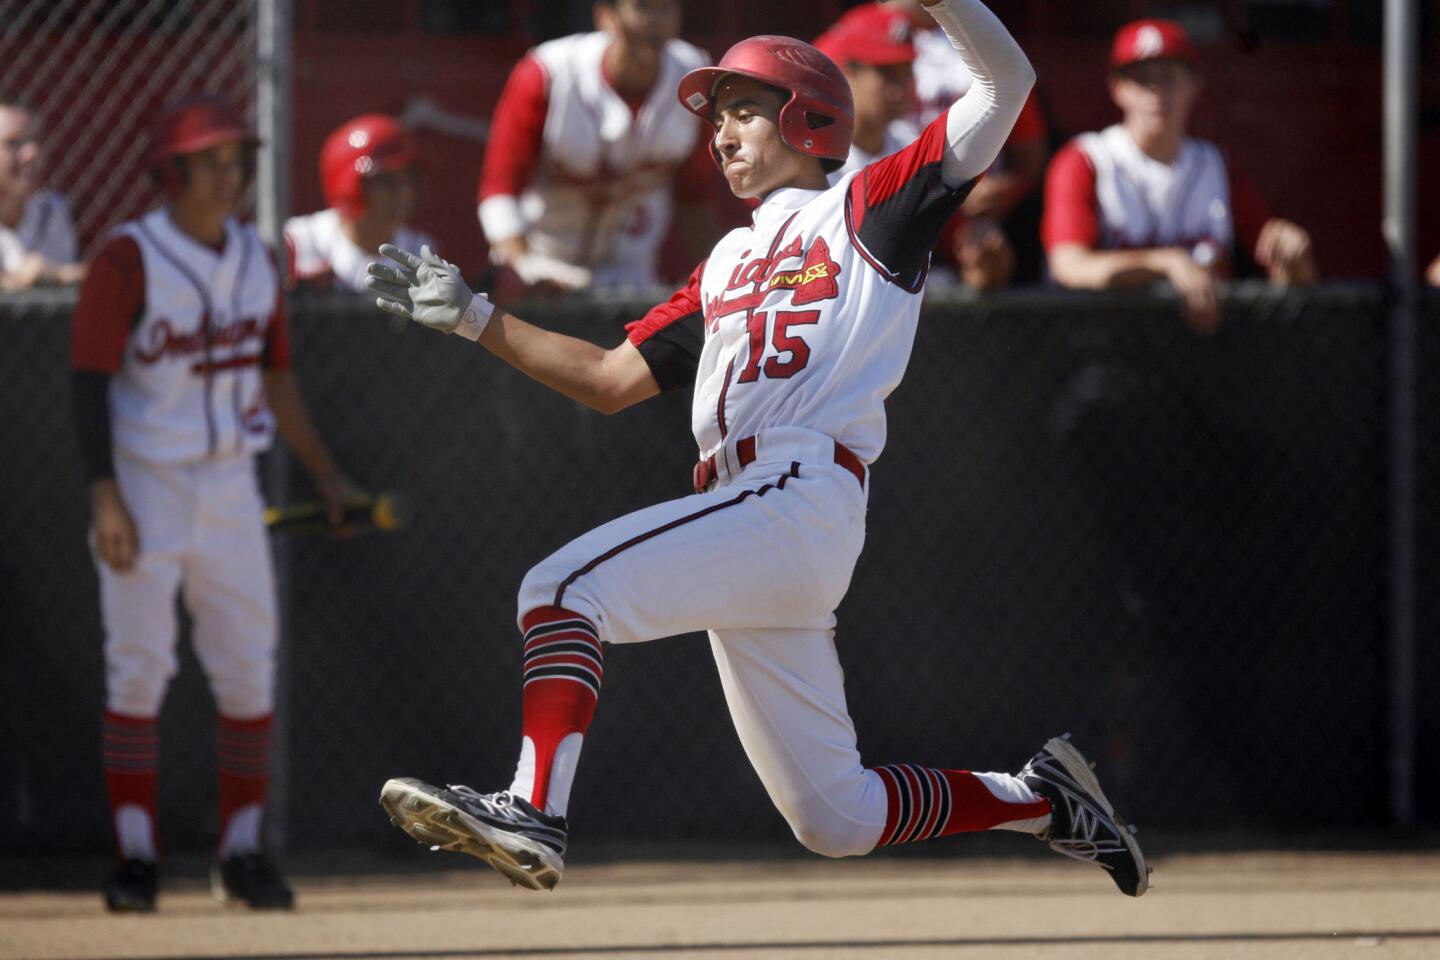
[(924, 803), (564, 667), (130, 749), (242, 749)]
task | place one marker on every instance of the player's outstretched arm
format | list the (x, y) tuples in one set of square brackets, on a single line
[(431, 292), (978, 123)]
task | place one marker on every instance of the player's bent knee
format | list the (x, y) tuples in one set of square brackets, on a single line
[(821, 829)]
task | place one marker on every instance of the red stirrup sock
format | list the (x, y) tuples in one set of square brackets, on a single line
[(564, 666), (242, 749), (130, 748), (924, 802)]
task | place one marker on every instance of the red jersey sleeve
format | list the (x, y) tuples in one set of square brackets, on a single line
[(111, 300), (671, 335), (1247, 209), (516, 131), (276, 355), (1072, 211), (897, 207)]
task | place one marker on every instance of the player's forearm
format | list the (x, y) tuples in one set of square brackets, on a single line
[(979, 122), (292, 421), (91, 406), (575, 368), (1081, 268)]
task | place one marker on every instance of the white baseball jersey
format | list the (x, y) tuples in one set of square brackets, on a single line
[(322, 253), (1146, 203), (45, 228), (599, 195), (190, 386), (183, 331), (810, 313)]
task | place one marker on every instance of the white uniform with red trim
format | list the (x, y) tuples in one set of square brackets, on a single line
[(188, 412), (1146, 203), (321, 251), (808, 320), (600, 197)]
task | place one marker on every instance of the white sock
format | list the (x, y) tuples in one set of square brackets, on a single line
[(242, 833), (135, 833), (1011, 789)]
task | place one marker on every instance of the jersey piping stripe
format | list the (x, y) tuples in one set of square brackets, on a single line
[(649, 535), (208, 308), (869, 258), (758, 295), (235, 400)]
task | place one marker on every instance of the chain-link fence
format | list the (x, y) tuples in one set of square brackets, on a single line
[(94, 73), (1087, 518)]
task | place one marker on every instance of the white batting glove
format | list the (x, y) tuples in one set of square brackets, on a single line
[(429, 291)]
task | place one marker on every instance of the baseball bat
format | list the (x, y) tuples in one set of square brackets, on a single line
[(362, 512)]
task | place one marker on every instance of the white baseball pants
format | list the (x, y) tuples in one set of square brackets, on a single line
[(760, 562), (202, 532)]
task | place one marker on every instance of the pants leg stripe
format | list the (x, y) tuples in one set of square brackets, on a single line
[(651, 534)]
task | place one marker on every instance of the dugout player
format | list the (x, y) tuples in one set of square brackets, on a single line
[(1142, 200), (369, 168), (37, 236), (790, 336), (182, 374), (585, 145)]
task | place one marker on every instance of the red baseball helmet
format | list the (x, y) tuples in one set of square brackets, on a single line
[(366, 146), (195, 124), (819, 118)]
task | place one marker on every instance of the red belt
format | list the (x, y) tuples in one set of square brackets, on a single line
[(745, 452)]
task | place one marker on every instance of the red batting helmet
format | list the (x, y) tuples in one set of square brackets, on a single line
[(192, 125), (819, 118), (370, 144)]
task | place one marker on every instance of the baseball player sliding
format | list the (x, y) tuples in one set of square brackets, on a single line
[(182, 374), (791, 335)]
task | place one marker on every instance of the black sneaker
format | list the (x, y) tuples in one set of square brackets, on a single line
[(252, 879), (1083, 825), (133, 887), (526, 846)]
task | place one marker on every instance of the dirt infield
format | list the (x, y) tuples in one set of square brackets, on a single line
[(1246, 905)]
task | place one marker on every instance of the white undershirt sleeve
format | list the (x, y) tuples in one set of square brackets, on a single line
[(979, 122)]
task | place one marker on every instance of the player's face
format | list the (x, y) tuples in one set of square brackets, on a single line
[(19, 153), (390, 197), (747, 135), (644, 25), (881, 93), (1157, 94), (214, 179)]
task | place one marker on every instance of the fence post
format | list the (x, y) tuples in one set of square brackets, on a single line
[(1401, 109), (274, 55)]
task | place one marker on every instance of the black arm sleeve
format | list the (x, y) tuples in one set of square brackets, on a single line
[(673, 352), (90, 398)]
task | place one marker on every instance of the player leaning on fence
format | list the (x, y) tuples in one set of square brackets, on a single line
[(790, 336)]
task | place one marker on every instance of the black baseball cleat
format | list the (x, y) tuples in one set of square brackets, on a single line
[(1083, 825), (132, 888), (525, 846), (251, 879)]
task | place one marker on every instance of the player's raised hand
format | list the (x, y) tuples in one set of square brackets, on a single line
[(428, 290)]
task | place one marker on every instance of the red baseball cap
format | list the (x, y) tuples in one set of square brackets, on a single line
[(1151, 40), (872, 34)]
